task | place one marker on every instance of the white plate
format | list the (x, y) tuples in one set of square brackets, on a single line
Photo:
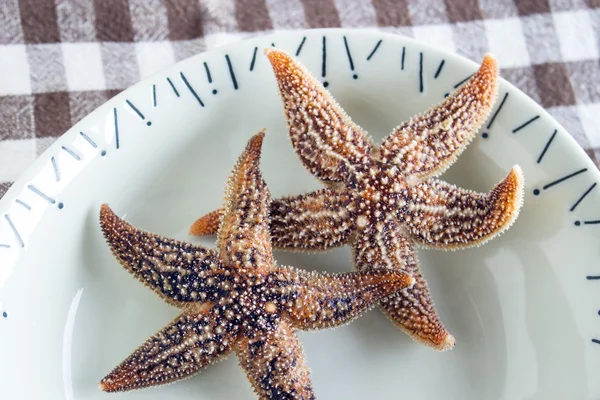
[(523, 308)]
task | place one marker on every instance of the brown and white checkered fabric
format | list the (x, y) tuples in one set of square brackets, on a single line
[(60, 59)]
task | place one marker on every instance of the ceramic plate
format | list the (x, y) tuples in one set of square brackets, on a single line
[(523, 308)]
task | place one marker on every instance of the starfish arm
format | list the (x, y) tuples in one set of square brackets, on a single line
[(319, 220), (275, 365), (325, 301), (177, 271), (327, 141), (443, 216), (208, 224), (384, 247), (178, 351), (429, 143), (243, 238), (314, 221)]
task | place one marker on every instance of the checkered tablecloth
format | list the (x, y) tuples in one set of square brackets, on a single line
[(60, 59)]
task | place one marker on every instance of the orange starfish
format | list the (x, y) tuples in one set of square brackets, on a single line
[(383, 200), (236, 298)]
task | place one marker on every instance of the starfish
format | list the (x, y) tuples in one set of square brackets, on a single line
[(235, 298), (385, 200)]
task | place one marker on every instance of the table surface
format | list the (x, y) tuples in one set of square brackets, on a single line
[(61, 59)]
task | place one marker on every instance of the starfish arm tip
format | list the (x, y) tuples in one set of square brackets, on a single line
[(257, 139), (441, 341), (488, 73), (105, 211), (512, 190), (194, 230), (517, 171), (106, 385), (202, 226), (107, 219), (489, 61), (275, 55), (446, 344), (517, 179)]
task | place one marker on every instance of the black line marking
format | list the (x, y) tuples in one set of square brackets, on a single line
[(403, 57), (272, 44), (489, 125), (421, 72), (374, 49), (22, 203), (173, 87), (348, 53), (55, 168), (4, 246), (518, 128), (300, 47), (231, 73), (15, 231), (117, 127), (154, 95), (439, 70), (596, 222), (253, 59), (135, 109), (596, 341), (207, 70), (324, 58), (539, 160), (71, 153), (89, 140), (583, 197), (564, 178), (463, 81), (191, 89), (41, 194)]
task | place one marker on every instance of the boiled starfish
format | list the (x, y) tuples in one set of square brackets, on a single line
[(383, 200), (236, 298)]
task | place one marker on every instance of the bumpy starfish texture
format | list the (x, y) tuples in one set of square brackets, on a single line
[(383, 200), (235, 299)]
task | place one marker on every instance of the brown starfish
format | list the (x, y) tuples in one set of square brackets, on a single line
[(383, 200), (236, 298)]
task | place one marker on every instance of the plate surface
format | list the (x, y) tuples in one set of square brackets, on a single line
[(523, 308)]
